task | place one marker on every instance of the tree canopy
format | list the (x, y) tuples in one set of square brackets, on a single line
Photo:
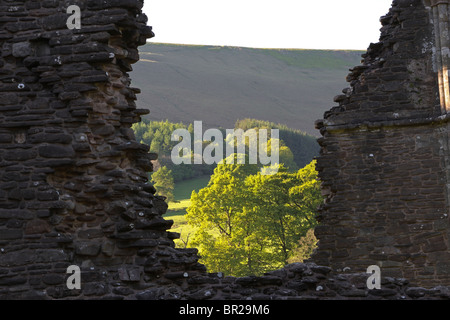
[(163, 182), (248, 223)]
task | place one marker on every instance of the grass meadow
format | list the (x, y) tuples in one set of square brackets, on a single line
[(177, 210)]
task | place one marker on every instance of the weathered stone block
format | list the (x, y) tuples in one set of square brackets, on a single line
[(91, 249), (10, 234), (53, 279), (55, 151), (37, 227)]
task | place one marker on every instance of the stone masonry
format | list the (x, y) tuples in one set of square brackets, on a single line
[(74, 188), (384, 163)]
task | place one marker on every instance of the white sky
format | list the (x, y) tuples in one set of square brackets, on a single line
[(312, 24)]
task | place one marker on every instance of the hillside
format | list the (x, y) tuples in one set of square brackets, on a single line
[(220, 85)]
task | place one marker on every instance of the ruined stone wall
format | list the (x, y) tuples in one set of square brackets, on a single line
[(73, 181), (384, 159)]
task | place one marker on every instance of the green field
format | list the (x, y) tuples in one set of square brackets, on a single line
[(182, 194), (177, 210)]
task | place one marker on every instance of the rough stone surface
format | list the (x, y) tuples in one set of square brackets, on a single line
[(74, 187), (384, 158), (73, 180)]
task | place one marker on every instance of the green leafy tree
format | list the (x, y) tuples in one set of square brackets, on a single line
[(249, 223), (284, 223), (303, 146), (286, 157), (305, 248), (306, 195), (288, 201), (157, 135), (217, 212), (163, 182)]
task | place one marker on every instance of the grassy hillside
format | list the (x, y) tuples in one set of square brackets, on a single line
[(177, 210), (182, 194), (220, 85)]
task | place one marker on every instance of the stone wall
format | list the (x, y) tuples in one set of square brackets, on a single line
[(74, 188), (384, 159)]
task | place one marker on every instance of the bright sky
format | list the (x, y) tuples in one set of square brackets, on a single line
[(312, 24)]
